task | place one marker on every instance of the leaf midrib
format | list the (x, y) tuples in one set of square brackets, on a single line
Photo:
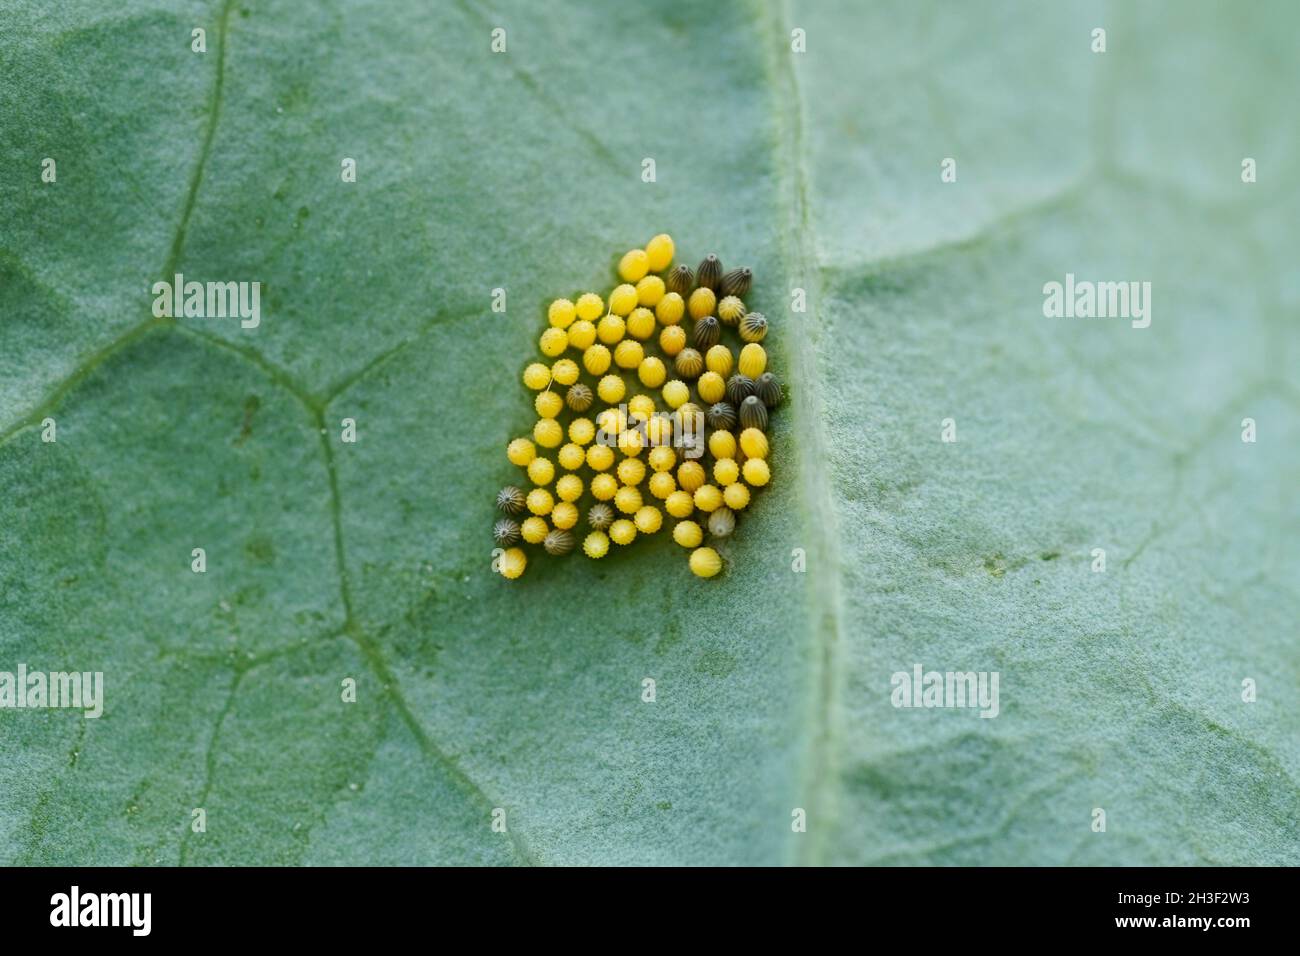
[(819, 776)]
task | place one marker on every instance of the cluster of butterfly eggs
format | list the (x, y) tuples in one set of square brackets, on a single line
[(614, 338)]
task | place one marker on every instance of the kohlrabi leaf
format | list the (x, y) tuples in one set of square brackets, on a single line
[(808, 142)]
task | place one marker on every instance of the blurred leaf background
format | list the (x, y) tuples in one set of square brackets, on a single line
[(821, 171)]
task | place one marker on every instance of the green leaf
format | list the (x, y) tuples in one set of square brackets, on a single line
[(1119, 690)]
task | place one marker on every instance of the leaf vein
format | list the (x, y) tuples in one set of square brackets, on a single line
[(378, 664)]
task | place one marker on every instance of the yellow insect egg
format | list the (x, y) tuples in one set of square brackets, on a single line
[(641, 323), (753, 360), (610, 329), (688, 534), (701, 303), (565, 371), (533, 530), (622, 531), (662, 458), (651, 371), (599, 457), (611, 421), (670, 309), (568, 488), (754, 443), (520, 452), (561, 313), (595, 545), (689, 416), (631, 471), (540, 502), (627, 499), (548, 404), (735, 496), (628, 354), (611, 389), (571, 457), (659, 429), (708, 497), (676, 393), (631, 442), (622, 300), (512, 564), (672, 339), (648, 519), (662, 484), (756, 472), (548, 433), (650, 290), (712, 387), (604, 486), (690, 476), (730, 310), (726, 471), (722, 444), (590, 306), (717, 359), (659, 252), (634, 265), (553, 342), (540, 471), (537, 376), (679, 504), (565, 513), (596, 359), (582, 334), (705, 562), (642, 406), (581, 431)]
